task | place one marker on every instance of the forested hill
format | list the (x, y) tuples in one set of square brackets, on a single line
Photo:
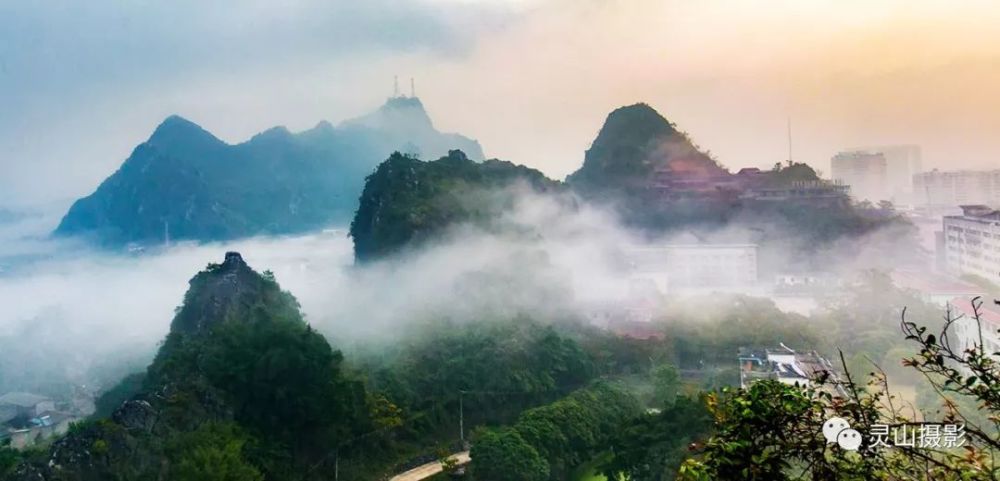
[(633, 143), (408, 201), (240, 376), (184, 183)]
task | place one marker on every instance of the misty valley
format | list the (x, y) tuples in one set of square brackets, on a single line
[(397, 296), (474, 320)]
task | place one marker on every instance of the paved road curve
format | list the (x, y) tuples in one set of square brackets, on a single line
[(430, 469)]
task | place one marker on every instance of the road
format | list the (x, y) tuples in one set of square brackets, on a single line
[(430, 469)]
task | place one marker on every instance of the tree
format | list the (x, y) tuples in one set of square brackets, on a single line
[(213, 452), (653, 446), (769, 431), (8, 458), (449, 464), (666, 385), (503, 455)]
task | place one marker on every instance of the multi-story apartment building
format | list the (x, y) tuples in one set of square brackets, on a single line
[(940, 189), (866, 172), (972, 242), (901, 163), (970, 332)]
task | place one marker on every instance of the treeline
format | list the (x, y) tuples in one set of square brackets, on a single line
[(490, 370), (549, 441)]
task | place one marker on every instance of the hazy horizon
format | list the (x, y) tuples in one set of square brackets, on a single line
[(531, 80)]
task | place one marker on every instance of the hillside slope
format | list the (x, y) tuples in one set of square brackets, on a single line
[(408, 201), (183, 183), (242, 388)]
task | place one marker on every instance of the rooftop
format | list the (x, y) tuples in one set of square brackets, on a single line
[(22, 399), (988, 311), (933, 283)]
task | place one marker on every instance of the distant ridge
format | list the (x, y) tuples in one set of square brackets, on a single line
[(186, 184)]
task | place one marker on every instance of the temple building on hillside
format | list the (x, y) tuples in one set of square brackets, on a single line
[(749, 184)]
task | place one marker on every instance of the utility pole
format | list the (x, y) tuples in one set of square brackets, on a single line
[(789, 141), (461, 418), (336, 465)]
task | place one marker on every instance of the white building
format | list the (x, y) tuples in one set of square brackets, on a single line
[(972, 242), (672, 266), (866, 173), (902, 162), (967, 330), (942, 189), (25, 404), (27, 419), (786, 366)]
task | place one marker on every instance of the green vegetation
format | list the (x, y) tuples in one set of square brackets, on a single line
[(8, 458), (407, 202), (565, 434), (213, 452), (633, 143), (653, 446), (503, 455), (769, 431), (186, 183), (588, 471), (242, 388), (785, 175), (111, 399)]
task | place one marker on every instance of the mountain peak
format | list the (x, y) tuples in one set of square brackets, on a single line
[(634, 142), (228, 292), (403, 103), (234, 261), (634, 124), (398, 114), (175, 129)]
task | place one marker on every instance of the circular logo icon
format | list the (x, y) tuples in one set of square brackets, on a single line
[(832, 427), (849, 439)]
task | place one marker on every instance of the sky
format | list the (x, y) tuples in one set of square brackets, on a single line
[(82, 83)]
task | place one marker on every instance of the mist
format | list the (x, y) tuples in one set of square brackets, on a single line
[(88, 316)]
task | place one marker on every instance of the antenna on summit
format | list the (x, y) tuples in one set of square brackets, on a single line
[(413, 90), (395, 86)]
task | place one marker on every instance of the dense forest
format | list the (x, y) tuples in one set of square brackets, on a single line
[(244, 388), (407, 202)]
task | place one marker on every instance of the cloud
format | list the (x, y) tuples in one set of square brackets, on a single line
[(69, 310), (89, 81), (76, 314)]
